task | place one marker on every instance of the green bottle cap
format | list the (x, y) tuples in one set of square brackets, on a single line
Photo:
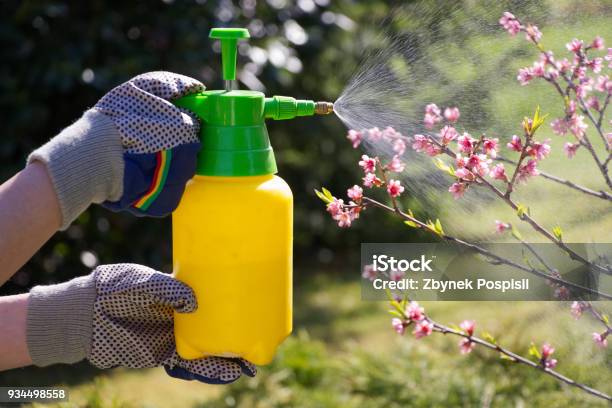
[(229, 43)]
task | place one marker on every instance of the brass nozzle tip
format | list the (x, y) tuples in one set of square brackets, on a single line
[(324, 108)]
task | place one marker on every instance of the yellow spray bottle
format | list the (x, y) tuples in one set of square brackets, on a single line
[(232, 232)]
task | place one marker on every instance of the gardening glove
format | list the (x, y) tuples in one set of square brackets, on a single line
[(120, 316), (134, 150)]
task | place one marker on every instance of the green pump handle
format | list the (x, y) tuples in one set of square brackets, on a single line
[(229, 43)]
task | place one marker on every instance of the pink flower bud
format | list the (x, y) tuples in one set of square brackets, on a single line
[(432, 109), (420, 143), (465, 143), (597, 43), (528, 170), (559, 126), (539, 150), (371, 180), (501, 227), (335, 207), (524, 76), (452, 114), (510, 23), (355, 137), (468, 327), (515, 144), (490, 147), (395, 188), (547, 350), (601, 339), (551, 363), (533, 34), (398, 326)]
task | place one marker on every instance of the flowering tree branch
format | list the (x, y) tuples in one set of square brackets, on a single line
[(473, 166), (412, 314)]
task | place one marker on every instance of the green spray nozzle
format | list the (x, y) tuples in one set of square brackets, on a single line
[(229, 44)]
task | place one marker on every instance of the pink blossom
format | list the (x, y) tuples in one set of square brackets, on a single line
[(547, 350), (577, 126), (432, 109), (460, 161), (344, 219), (490, 147), (574, 46), (603, 84), (369, 272), (501, 227), (398, 326), (355, 137), (452, 114), (448, 134), (577, 309), (593, 103), (457, 190), (420, 143), (539, 150), (580, 72), (550, 363), (601, 339), (468, 327), (583, 89), (597, 43), (368, 163), (608, 57), (553, 73), (515, 144), (395, 188), (390, 134), (528, 170), (370, 180), (609, 137), (399, 146), (510, 23), (415, 312), (423, 328), (466, 346), (375, 134), (570, 149), (571, 108), (595, 64), (532, 33), (559, 126), (538, 69), (396, 275), (432, 150), (563, 65), (464, 174), (465, 143), (335, 207), (355, 193), (478, 163), (562, 293), (396, 165), (524, 76), (498, 172)]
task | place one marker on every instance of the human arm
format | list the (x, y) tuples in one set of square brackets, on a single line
[(13, 315), (29, 216)]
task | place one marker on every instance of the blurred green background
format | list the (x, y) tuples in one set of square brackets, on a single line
[(60, 57)]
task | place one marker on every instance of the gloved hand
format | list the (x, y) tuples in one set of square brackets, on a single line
[(119, 315), (134, 150)]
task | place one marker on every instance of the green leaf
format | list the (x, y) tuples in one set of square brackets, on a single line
[(411, 223), (444, 167), (396, 313), (327, 194), (605, 318), (537, 121), (533, 351), (323, 196), (488, 337), (439, 229), (558, 233), (506, 357), (515, 233)]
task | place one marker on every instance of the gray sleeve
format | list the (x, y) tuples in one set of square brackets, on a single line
[(60, 321), (85, 163)]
